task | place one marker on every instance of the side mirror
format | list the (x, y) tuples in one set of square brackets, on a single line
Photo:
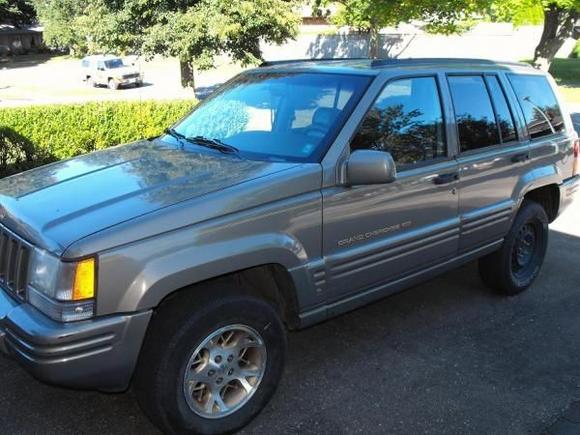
[(370, 167)]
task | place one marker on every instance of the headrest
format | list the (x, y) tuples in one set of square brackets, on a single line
[(325, 116)]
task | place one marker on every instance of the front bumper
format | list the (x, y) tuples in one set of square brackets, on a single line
[(131, 81), (569, 190), (93, 354)]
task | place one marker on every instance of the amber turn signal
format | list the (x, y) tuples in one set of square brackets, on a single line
[(84, 282)]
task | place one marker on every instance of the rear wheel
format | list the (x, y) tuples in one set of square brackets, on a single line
[(210, 368), (515, 266), (113, 85)]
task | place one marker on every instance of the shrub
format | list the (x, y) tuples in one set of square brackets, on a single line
[(576, 51), (17, 153), (62, 131)]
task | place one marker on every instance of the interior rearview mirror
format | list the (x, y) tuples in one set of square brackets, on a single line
[(370, 167)]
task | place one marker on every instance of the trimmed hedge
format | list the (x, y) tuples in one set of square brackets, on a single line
[(62, 131)]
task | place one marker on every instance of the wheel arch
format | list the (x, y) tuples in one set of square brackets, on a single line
[(271, 282), (542, 186), (548, 197)]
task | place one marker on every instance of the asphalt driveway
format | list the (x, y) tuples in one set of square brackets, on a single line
[(448, 356)]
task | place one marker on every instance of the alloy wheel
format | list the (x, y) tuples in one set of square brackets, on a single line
[(224, 371)]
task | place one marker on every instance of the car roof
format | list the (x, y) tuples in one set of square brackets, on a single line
[(101, 57), (376, 66)]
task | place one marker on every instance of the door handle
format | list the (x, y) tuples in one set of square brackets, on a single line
[(519, 158), (446, 178)]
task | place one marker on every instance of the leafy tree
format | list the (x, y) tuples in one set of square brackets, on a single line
[(558, 17), (451, 16), (17, 12), (61, 20), (194, 31), (448, 16)]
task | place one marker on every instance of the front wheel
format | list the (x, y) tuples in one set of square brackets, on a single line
[(210, 369), (515, 266), (113, 85)]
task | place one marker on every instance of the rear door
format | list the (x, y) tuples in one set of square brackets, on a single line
[(374, 235), (491, 159)]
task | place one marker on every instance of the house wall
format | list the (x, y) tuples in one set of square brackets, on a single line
[(21, 42), (500, 41)]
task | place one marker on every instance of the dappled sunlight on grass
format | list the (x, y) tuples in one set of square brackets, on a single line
[(566, 72)]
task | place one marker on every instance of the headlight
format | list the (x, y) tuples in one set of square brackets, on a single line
[(64, 291)]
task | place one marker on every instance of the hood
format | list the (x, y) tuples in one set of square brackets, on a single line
[(56, 205), (118, 72)]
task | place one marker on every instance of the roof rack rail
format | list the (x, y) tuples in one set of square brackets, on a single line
[(428, 60), (323, 59)]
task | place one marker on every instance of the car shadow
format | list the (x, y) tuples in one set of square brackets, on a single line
[(440, 357), (126, 88)]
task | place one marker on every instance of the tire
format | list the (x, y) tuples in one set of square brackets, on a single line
[(91, 82), (515, 266), (112, 85), (178, 331)]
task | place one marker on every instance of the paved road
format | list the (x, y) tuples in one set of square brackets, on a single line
[(40, 79), (444, 357)]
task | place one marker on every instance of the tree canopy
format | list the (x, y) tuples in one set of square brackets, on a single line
[(194, 31), (17, 12), (558, 18), (452, 16), (448, 16)]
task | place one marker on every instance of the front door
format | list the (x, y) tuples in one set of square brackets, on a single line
[(380, 233), (101, 73)]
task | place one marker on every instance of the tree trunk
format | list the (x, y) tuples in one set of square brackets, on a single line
[(374, 42), (187, 74), (558, 26)]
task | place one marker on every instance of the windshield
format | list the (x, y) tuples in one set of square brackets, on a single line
[(277, 116), (114, 63)]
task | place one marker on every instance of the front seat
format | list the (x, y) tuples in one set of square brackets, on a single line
[(322, 120)]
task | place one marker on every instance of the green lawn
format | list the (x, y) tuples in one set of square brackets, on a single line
[(567, 75)]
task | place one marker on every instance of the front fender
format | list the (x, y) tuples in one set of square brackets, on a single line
[(140, 276), (176, 270)]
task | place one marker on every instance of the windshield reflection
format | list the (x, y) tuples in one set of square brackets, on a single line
[(277, 116)]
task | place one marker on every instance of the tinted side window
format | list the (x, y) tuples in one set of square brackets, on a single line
[(405, 120), (473, 113), (538, 103), (502, 110)]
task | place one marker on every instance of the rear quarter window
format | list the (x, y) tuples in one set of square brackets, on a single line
[(538, 102)]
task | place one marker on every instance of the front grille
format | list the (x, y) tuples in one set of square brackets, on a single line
[(14, 261), (131, 76)]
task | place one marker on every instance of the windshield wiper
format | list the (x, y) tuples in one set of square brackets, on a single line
[(214, 144), (174, 133)]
